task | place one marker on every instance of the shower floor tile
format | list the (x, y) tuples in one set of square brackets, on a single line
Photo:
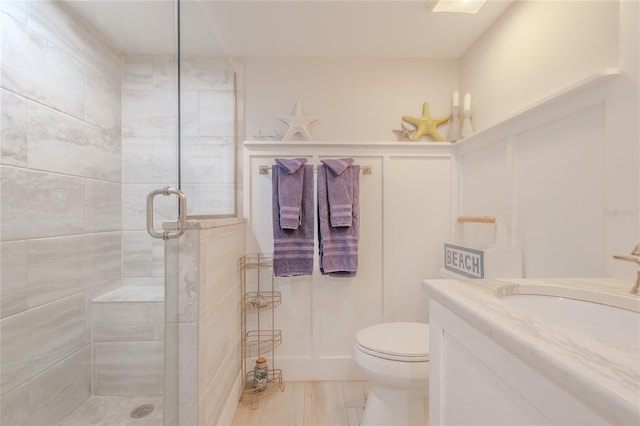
[(112, 411)]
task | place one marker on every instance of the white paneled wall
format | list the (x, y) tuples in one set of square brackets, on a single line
[(417, 212), (513, 65), (61, 184), (543, 171), (405, 207)]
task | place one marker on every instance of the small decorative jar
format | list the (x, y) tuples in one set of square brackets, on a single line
[(261, 374)]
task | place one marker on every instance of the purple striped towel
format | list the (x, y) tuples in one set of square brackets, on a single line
[(293, 248), (339, 191), (290, 176), (339, 245)]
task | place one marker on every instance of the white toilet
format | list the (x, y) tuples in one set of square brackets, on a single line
[(395, 358)]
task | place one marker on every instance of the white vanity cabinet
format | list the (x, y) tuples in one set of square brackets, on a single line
[(474, 381), (491, 365)]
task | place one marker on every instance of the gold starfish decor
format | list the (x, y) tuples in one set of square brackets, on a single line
[(426, 125)]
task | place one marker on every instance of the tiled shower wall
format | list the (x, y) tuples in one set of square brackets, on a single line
[(207, 316), (61, 205), (65, 109), (150, 155)]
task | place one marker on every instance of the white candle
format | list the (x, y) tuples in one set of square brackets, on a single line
[(467, 101), (455, 101)]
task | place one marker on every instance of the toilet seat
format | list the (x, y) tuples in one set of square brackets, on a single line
[(395, 341)]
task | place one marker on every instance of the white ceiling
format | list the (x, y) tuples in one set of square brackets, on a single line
[(356, 28)]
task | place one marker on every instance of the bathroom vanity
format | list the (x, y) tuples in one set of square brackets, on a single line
[(566, 352)]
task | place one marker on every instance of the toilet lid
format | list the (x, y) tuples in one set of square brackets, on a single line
[(402, 341)]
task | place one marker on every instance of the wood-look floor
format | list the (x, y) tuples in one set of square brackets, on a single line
[(307, 404)]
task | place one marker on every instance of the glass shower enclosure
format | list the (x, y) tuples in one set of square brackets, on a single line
[(102, 103)]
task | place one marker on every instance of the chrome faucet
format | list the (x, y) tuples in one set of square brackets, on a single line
[(635, 257)]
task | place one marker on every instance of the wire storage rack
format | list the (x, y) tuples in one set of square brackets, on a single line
[(259, 337)]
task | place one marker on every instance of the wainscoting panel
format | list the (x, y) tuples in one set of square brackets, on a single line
[(405, 210)]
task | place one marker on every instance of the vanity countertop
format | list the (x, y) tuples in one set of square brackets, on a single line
[(603, 375)]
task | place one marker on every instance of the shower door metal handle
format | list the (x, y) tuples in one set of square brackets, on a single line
[(182, 213)]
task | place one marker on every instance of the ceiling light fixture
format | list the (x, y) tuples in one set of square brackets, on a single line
[(460, 6)]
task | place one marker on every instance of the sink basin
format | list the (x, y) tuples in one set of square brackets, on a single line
[(613, 319)]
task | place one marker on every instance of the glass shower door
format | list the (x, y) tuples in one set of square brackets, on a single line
[(89, 99)]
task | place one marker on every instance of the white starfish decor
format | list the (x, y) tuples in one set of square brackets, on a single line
[(297, 123), (405, 133)]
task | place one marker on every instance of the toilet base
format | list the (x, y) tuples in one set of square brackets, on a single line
[(395, 407)]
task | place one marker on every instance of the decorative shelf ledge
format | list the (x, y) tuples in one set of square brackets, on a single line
[(574, 97), (320, 149)]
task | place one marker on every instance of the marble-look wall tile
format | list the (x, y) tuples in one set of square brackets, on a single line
[(172, 285), (129, 368), (143, 281), (61, 389), (143, 256), (58, 267), (14, 407), (188, 374), (210, 199), (164, 72), (98, 290), (106, 255), (149, 113), (206, 73), (13, 149), (150, 160), (53, 205), (220, 298), (222, 251), (218, 337), (60, 114), (215, 394), (30, 64), (137, 294), (137, 254), (59, 143), (128, 321), (50, 21), (171, 383), (157, 258), (190, 113), (216, 113), (102, 206), (188, 349), (134, 207), (13, 268), (189, 275), (37, 339), (102, 101), (15, 8), (137, 72), (207, 160)]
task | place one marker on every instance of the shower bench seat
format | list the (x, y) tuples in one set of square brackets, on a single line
[(127, 337)]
